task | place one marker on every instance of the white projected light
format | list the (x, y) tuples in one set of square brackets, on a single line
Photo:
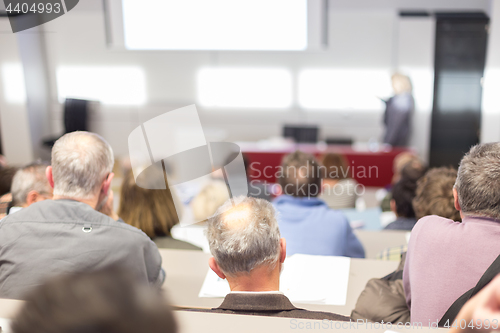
[(422, 80), (344, 89), (215, 24), (491, 87), (13, 83), (109, 85), (245, 87)]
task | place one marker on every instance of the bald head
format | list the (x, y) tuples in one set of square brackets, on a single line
[(237, 217), (80, 163), (244, 236)]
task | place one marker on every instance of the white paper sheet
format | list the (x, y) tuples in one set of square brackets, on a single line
[(5, 325), (305, 279)]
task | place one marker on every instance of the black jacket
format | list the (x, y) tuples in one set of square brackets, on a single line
[(272, 305), (397, 119)]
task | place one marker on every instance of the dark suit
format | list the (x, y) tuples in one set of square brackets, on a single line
[(397, 119), (272, 305)]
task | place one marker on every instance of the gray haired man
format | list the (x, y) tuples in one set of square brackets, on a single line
[(447, 258), (30, 185), (249, 252), (68, 234)]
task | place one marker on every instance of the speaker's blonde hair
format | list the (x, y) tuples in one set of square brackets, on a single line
[(401, 84)]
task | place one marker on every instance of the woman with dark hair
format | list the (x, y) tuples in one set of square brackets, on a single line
[(403, 194), (152, 211)]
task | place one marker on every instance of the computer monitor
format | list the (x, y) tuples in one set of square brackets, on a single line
[(301, 134)]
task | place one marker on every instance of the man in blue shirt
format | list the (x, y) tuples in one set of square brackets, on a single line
[(305, 221)]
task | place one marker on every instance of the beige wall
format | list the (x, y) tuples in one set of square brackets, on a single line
[(14, 125)]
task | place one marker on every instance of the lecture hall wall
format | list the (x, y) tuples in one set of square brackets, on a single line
[(362, 35)]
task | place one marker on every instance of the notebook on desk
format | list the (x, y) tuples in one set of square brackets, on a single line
[(305, 279)]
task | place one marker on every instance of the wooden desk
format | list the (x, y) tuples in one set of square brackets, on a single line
[(186, 271), (376, 241), (196, 322)]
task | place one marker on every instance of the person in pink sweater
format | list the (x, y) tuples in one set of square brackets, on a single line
[(447, 258)]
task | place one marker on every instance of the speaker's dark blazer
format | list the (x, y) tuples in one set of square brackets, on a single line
[(272, 305)]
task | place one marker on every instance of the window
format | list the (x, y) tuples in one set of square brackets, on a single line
[(358, 89), (245, 87), (109, 85), (422, 80), (491, 98), (13, 83)]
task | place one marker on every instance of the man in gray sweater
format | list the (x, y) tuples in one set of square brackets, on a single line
[(249, 252), (68, 233)]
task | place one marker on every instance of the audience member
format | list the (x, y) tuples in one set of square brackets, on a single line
[(103, 301), (403, 193), (434, 194), (216, 192), (247, 250), (447, 258), (413, 170), (6, 176), (339, 189), (152, 211), (3, 160), (211, 197), (30, 185), (68, 233), (306, 221), (384, 299), (398, 165), (400, 161), (5, 204)]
